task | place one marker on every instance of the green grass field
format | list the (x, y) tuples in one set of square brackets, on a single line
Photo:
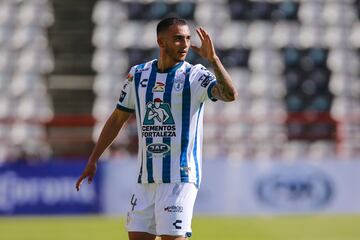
[(204, 228)]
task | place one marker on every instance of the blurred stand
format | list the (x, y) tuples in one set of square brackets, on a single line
[(295, 64), (25, 63)]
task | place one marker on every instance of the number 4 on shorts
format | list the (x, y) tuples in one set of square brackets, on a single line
[(133, 202)]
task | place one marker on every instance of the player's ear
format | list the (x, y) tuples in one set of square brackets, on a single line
[(160, 41)]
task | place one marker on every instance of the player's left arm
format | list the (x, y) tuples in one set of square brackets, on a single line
[(224, 89)]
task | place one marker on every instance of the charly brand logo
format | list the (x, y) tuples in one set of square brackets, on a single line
[(173, 209), (143, 83), (177, 224), (158, 148), (295, 189)]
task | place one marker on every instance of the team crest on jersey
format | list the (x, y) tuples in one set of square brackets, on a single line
[(158, 120), (179, 81), (159, 87)]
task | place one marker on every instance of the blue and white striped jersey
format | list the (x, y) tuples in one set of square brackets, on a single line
[(169, 110)]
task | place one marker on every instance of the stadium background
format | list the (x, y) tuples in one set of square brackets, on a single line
[(289, 145)]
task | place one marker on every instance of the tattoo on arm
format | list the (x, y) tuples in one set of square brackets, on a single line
[(219, 92), (224, 89)]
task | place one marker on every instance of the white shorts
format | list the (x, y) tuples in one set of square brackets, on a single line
[(162, 209)]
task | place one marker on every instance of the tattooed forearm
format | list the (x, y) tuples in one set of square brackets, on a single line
[(219, 91), (224, 89)]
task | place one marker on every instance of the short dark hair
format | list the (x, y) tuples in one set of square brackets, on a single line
[(164, 24)]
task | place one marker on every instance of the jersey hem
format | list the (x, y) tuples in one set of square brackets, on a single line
[(125, 109), (211, 97)]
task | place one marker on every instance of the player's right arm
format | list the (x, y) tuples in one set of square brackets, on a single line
[(124, 108), (111, 129)]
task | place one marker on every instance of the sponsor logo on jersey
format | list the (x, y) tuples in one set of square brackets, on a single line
[(158, 148), (141, 70), (129, 77), (122, 96), (159, 87), (173, 209), (206, 82), (125, 85), (158, 120), (206, 79), (144, 82)]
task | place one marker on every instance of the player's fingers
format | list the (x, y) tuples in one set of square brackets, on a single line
[(198, 31), (204, 33), (206, 36), (209, 41), (79, 182), (90, 179)]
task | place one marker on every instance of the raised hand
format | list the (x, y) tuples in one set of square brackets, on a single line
[(207, 49), (224, 89)]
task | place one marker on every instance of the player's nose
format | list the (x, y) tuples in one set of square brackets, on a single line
[(185, 43)]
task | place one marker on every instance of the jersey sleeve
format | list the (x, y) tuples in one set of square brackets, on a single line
[(127, 96), (203, 81)]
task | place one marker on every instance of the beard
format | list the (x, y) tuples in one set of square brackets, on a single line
[(174, 55)]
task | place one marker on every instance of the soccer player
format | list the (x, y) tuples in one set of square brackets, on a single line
[(167, 96)]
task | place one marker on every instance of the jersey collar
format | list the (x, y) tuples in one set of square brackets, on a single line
[(173, 68)]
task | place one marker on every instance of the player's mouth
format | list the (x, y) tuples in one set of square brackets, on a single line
[(182, 52)]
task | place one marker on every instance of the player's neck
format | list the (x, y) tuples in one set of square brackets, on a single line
[(164, 64)]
